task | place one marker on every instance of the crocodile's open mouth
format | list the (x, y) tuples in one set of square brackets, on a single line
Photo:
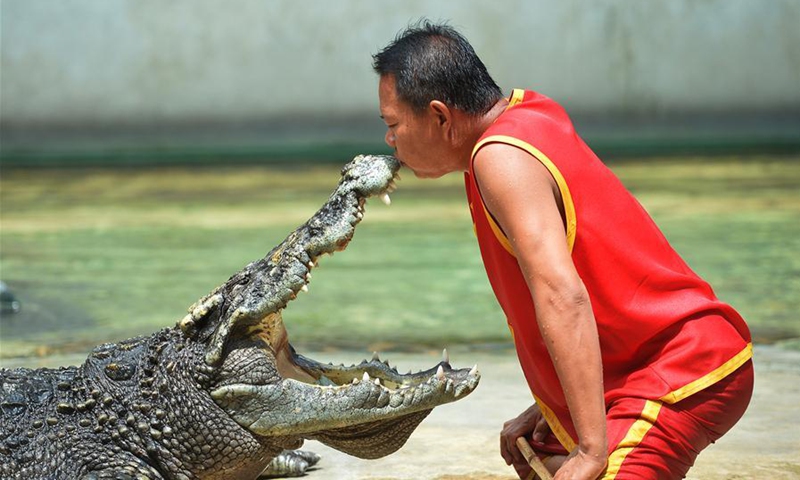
[(367, 409), (317, 397)]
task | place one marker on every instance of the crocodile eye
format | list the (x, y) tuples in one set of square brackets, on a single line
[(120, 371)]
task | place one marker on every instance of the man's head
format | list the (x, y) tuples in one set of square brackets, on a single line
[(434, 62), (432, 85)]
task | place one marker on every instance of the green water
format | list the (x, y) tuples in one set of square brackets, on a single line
[(100, 255)]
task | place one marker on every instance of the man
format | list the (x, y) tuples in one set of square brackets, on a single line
[(634, 364)]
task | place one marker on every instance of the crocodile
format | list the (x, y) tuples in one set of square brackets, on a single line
[(223, 394)]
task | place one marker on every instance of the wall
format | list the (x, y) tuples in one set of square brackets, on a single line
[(150, 62)]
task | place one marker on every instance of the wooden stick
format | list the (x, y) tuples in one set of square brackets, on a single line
[(536, 464)]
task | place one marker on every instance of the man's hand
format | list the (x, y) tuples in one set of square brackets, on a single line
[(582, 465), (531, 420)]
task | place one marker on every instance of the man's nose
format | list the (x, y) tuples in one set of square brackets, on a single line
[(389, 139)]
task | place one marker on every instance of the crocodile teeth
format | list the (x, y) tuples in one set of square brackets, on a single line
[(474, 370), (445, 356), (375, 356), (378, 382), (311, 264), (304, 288), (440, 373), (385, 199), (366, 377)]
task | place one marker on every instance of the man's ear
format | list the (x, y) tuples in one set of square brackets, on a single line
[(441, 113)]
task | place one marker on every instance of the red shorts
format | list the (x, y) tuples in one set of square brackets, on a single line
[(652, 440)]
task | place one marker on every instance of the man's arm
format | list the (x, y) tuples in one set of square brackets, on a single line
[(524, 199)]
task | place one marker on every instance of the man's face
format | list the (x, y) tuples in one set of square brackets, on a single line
[(416, 137)]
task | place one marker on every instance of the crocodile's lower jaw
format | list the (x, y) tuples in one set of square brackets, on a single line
[(319, 397)]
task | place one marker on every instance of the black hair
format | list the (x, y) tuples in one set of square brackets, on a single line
[(432, 61)]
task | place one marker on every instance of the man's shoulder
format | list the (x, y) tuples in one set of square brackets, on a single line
[(530, 110)]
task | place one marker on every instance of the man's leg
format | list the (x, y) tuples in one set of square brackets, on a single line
[(651, 440)]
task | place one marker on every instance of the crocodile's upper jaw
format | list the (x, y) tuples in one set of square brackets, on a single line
[(264, 287)]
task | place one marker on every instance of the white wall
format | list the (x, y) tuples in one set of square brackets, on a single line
[(99, 62)]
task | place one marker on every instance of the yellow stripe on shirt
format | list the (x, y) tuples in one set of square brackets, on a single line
[(566, 197)]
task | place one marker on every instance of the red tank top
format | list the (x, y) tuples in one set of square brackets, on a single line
[(663, 333)]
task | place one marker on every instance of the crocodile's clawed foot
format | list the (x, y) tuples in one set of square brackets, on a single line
[(290, 463)]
